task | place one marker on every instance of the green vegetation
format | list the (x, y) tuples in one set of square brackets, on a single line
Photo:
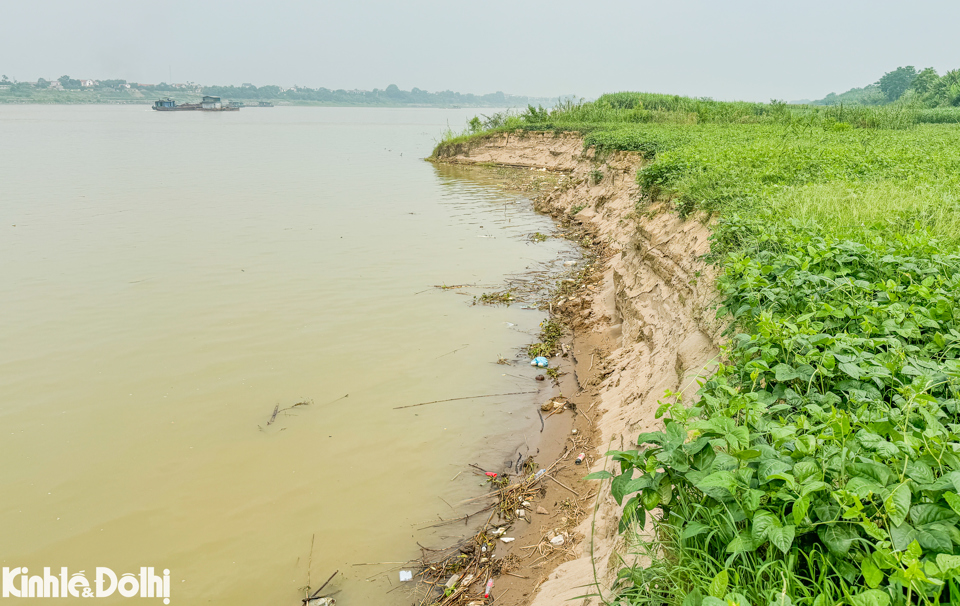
[(503, 297), (821, 463), (550, 332)]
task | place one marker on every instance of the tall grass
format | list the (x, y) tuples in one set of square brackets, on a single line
[(741, 168), (886, 207), (616, 114)]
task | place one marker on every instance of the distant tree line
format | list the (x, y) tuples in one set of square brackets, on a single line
[(925, 88), (390, 96)]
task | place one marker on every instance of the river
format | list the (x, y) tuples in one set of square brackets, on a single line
[(168, 279)]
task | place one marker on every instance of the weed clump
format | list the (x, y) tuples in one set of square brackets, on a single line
[(503, 297), (551, 331)]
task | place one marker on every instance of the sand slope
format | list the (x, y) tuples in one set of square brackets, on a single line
[(655, 308)]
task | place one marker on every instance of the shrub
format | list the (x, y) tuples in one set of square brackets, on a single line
[(825, 452)]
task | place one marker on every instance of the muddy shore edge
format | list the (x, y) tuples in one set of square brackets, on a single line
[(640, 322)]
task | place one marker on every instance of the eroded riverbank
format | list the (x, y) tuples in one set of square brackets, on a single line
[(642, 323)]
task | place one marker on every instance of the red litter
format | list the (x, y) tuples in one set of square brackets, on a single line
[(489, 588)]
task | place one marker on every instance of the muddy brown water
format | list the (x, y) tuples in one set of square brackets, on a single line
[(167, 280)]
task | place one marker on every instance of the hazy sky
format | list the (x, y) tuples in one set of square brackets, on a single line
[(726, 49)]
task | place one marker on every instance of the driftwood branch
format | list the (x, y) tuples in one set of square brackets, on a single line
[(492, 395)]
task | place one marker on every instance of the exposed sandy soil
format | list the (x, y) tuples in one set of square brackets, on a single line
[(642, 323)]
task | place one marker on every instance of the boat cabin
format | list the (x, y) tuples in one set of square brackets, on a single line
[(210, 102)]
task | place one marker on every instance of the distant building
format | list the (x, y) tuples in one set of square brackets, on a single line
[(246, 85), (210, 102), (88, 83)]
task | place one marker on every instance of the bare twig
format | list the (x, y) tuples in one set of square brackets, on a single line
[(313, 537), (315, 593), (565, 486), (492, 395)]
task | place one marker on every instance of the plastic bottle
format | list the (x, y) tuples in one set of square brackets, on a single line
[(580, 458), (489, 588)]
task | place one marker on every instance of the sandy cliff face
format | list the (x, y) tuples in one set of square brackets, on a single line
[(654, 309)]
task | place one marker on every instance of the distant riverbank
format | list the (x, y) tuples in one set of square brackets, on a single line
[(119, 92)]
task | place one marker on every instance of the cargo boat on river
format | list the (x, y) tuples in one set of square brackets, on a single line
[(208, 104)]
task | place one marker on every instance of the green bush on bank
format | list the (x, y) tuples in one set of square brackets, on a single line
[(822, 463)]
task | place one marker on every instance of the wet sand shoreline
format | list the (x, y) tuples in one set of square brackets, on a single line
[(639, 323)]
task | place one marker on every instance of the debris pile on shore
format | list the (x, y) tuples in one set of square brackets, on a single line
[(461, 575)]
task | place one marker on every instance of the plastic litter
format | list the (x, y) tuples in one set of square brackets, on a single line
[(406, 575), (539, 474), (486, 592), (508, 539), (452, 581), (540, 362), (580, 458), (557, 541), (490, 474)]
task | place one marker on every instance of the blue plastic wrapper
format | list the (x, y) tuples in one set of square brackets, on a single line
[(540, 361)]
